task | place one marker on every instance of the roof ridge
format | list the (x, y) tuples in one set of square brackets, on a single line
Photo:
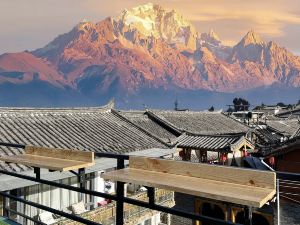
[(235, 120), (216, 135), (288, 112), (115, 112), (108, 106), (180, 130), (166, 123), (184, 111), (24, 111), (296, 133)]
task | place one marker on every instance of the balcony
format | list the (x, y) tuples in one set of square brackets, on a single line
[(106, 215)]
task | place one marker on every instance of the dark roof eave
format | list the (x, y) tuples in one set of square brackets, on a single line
[(225, 149), (115, 112)]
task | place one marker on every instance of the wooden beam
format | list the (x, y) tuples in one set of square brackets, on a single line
[(207, 188), (52, 158), (228, 174), (50, 163), (60, 153)]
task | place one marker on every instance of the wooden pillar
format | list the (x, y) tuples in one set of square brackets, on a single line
[(227, 212), (186, 154), (232, 215), (198, 210)]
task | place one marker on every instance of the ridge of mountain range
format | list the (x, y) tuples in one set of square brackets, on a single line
[(148, 55)]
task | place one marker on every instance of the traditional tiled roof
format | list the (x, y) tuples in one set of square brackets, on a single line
[(143, 120), (286, 127), (280, 148), (266, 136), (297, 133), (92, 129), (208, 142), (156, 123), (292, 114), (200, 122)]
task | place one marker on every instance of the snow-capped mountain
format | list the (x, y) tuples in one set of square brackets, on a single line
[(149, 47), (154, 21)]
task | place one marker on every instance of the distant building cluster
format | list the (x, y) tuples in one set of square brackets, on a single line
[(266, 138)]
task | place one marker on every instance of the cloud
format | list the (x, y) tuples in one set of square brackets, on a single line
[(266, 17), (39, 21)]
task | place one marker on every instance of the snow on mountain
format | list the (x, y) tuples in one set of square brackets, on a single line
[(153, 20), (210, 38)]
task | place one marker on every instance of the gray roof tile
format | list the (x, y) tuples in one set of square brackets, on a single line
[(201, 122), (142, 119), (93, 129), (208, 142), (286, 127)]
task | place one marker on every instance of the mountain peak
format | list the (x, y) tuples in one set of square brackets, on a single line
[(252, 38), (213, 35), (145, 7), (210, 38), (153, 20)]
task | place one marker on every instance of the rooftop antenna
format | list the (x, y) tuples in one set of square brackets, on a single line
[(176, 104)]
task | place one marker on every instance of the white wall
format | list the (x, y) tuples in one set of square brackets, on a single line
[(99, 185)]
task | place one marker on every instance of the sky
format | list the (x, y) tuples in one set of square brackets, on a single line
[(30, 24)]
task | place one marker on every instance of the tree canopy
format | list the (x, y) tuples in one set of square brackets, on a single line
[(240, 104), (281, 104), (211, 109)]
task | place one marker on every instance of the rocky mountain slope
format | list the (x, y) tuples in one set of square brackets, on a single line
[(149, 47)]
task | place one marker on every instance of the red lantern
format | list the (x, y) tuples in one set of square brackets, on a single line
[(223, 157), (272, 161)]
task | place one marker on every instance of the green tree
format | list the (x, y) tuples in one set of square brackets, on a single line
[(240, 104), (281, 104), (211, 109)]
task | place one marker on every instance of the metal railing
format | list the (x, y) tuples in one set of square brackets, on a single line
[(118, 197)]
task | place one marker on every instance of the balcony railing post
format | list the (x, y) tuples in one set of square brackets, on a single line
[(120, 195), (151, 195), (5, 205), (278, 202), (37, 172), (248, 215), (81, 177), (82, 181)]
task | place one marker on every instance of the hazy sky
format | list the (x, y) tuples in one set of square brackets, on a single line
[(29, 24)]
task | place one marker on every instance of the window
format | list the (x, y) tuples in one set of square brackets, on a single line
[(16, 206)]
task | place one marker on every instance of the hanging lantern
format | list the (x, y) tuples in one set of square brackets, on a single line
[(272, 161), (223, 157)]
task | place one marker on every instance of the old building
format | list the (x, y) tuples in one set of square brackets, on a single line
[(285, 156), (85, 129), (210, 137), (199, 136)]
